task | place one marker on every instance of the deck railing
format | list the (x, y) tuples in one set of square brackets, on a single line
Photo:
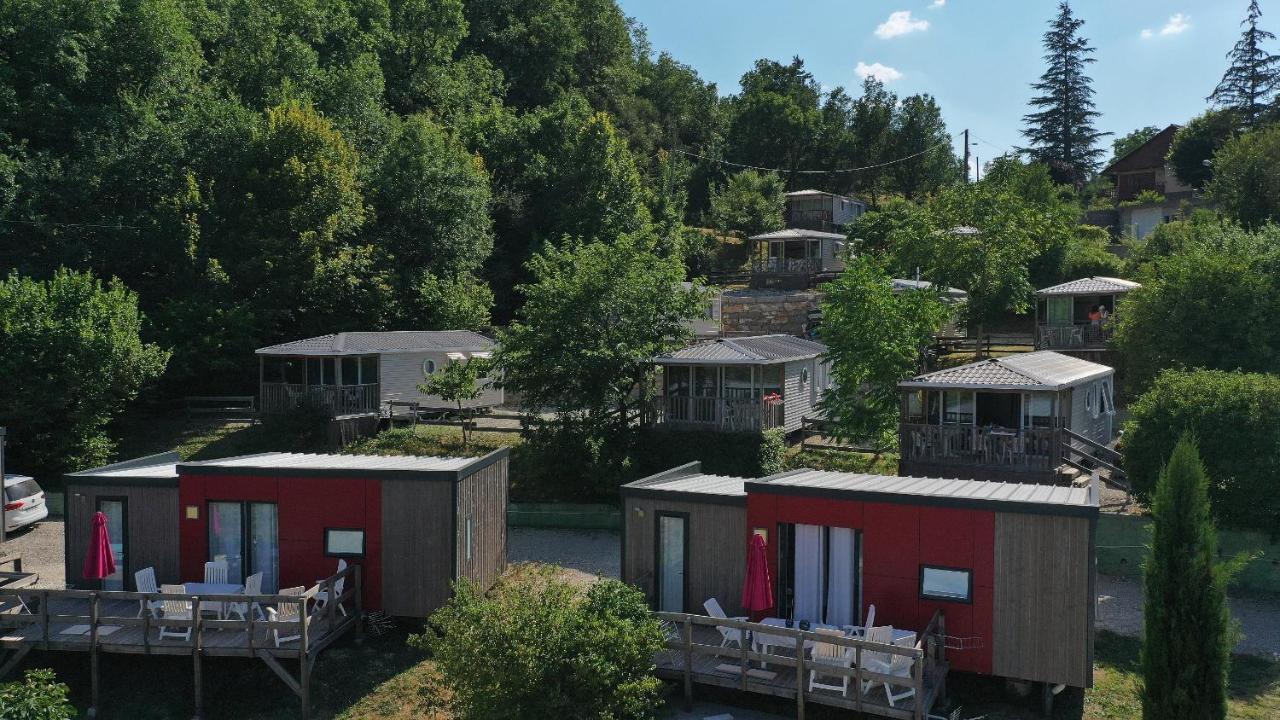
[(719, 412), (333, 400), (788, 265), (1028, 449), (1067, 337), (926, 678)]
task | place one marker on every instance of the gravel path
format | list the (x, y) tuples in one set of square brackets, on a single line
[(41, 550), (585, 554)]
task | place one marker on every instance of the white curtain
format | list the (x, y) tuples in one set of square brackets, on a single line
[(810, 565), (841, 604)]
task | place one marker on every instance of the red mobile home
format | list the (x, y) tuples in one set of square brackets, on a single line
[(1010, 565), (412, 524)]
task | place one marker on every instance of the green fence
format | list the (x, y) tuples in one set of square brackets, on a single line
[(564, 515), (1123, 540)]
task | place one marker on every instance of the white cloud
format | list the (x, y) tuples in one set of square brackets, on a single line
[(1178, 24), (937, 4), (900, 22), (883, 73)]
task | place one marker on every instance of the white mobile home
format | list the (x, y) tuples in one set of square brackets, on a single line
[(355, 373)]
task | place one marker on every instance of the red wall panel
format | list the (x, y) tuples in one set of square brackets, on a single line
[(304, 508), (897, 538)]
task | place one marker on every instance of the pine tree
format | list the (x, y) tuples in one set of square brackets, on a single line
[(1060, 132), (1253, 78), (1187, 641)]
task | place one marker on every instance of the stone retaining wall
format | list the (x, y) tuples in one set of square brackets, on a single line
[(764, 312)]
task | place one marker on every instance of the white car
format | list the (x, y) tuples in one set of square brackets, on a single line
[(23, 502)]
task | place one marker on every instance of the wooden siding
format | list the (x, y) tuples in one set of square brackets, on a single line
[(482, 501), (152, 535), (797, 397), (417, 546), (1042, 619), (1082, 420), (717, 550), (401, 374)]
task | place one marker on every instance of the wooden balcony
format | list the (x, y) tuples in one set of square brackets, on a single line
[(718, 413), (332, 400), (1029, 450), (1085, 336), (789, 266)]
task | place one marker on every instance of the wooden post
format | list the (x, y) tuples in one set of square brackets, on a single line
[(742, 648), (800, 675), (304, 684), (355, 574), (917, 676), (96, 698), (857, 677), (197, 635), (331, 607), (687, 631), (146, 626), (44, 619)]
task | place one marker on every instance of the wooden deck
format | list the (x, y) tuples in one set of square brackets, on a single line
[(95, 622), (694, 655)]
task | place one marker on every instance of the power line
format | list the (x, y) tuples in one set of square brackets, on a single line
[(935, 146)]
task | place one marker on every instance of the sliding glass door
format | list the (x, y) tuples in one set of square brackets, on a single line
[(246, 536), (820, 574), (116, 510), (673, 555)]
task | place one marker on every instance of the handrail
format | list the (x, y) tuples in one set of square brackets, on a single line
[(1090, 442)]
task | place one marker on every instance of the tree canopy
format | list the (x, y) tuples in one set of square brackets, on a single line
[(1245, 183), (1252, 79)]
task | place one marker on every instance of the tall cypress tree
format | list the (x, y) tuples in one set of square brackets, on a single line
[(1252, 80), (1186, 648), (1060, 132)]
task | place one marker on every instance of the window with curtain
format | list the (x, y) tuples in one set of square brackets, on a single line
[(1037, 410), (824, 572), (957, 407)]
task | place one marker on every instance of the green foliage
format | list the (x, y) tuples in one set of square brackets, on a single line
[(750, 203), (773, 452), (1209, 304), (1188, 634), (39, 696), (1060, 131), (1195, 144), (594, 317), (73, 359), (460, 382), (600, 192), (1234, 419), (550, 649), (1126, 144), (1146, 197), (1252, 78), (462, 302), (1245, 183), (875, 338)]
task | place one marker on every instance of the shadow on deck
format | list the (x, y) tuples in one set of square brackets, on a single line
[(695, 655)]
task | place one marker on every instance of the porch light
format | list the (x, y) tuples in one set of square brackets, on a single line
[(193, 512), (762, 532)]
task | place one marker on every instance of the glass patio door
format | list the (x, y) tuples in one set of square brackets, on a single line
[(672, 552), (116, 512), (246, 536)]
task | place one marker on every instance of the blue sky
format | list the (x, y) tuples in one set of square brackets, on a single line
[(1156, 60)]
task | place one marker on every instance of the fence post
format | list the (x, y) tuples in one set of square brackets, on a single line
[(800, 675), (687, 631), (917, 677), (742, 653), (93, 655), (197, 633), (355, 574)]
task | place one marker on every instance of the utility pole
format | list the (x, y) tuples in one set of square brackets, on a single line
[(977, 168), (966, 155), (2, 496)]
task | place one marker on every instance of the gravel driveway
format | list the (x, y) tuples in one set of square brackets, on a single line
[(41, 550)]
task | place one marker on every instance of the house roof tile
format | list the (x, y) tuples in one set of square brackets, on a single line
[(755, 350), (1041, 370), (1097, 285), (358, 343)]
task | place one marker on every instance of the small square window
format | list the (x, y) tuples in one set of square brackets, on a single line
[(344, 542), (950, 584)]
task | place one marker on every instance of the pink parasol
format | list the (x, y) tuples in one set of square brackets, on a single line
[(757, 590), (99, 562)]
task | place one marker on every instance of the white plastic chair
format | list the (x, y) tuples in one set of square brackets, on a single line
[(890, 664), (830, 655), (145, 580), (215, 572), (287, 611), (252, 586), (322, 595), (175, 610), (727, 634)]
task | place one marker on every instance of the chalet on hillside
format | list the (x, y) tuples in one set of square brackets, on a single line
[(1063, 312), (354, 373), (742, 384), (796, 258), (824, 211), (1010, 418), (1145, 169)]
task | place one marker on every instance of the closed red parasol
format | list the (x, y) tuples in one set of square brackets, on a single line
[(99, 562), (757, 590)]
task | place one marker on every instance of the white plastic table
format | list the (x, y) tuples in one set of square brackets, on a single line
[(204, 588)]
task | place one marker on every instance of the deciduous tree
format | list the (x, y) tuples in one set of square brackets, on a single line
[(1245, 183), (750, 203)]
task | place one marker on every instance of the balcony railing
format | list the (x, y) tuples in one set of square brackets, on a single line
[(333, 400), (806, 266), (719, 413), (1088, 335), (1029, 449)]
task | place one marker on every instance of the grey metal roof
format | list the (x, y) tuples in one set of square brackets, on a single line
[(358, 343), (798, 234), (161, 465), (948, 293), (755, 350), (1090, 286), (698, 483), (314, 461), (976, 493), (1041, 370)]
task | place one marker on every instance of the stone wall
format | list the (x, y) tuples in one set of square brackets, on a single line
[(765, 312)]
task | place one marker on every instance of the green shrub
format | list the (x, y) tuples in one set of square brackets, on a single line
[(1234, 417), (773, 452), (534, 646), (39, 696)]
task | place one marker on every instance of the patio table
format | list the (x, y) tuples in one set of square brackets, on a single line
[(763, 642), (204, 588)]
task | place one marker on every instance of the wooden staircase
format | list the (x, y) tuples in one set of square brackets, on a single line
[(1087, 455)]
